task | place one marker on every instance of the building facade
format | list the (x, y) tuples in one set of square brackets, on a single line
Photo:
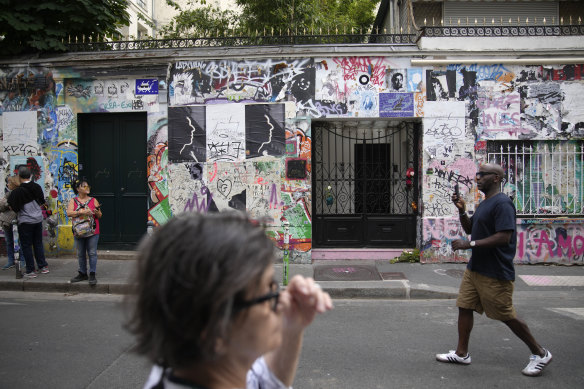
[(347, 147)]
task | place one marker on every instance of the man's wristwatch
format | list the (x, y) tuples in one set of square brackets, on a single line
[(473, 243)]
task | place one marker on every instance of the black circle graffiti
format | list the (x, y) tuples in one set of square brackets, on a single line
[(364, 79)]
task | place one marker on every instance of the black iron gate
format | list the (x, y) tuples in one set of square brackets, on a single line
[(365, 183)]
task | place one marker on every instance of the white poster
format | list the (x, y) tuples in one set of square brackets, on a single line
[(572, 107), (225, 132), (443, 131), (20, 133), (444, 109)]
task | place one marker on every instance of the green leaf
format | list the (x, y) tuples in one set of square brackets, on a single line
[(29, 27), (279, 15)]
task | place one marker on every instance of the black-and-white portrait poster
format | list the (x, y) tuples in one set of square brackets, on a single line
[(187, 139), (264, 130)]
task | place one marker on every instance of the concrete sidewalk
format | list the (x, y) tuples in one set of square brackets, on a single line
[(342, 279)]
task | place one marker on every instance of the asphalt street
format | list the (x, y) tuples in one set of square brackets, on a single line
[(55, 340)]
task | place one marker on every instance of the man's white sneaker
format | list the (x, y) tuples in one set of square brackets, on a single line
[(537, 363), (452, 357)]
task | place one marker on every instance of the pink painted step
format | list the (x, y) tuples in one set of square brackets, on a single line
[(357, 254)]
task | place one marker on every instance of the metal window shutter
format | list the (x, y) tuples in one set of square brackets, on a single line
[(485, 12)]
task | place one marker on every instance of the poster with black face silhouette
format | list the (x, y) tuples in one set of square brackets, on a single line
[(187, 138), (264, 130)]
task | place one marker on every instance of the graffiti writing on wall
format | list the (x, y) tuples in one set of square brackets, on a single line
[(223, 185), (296, 211), (199, 202), (159, 207), (32, 90), (352, 85), (444, 167), (200, 82), (437, 237), (444, 123), (63, 166), (225, 132), (496, 72), (500, 115), (515, 102), (554, 241), (107, 96), (365, 68)]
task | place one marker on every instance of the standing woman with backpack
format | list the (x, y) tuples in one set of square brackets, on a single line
[(86, 212)]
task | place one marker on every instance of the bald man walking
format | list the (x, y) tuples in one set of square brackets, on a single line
[(487, 284)]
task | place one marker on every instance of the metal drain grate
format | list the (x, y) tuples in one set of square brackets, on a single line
[(346, 273)]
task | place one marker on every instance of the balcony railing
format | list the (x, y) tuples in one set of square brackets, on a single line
[(501, 31), (213, 40), (393, 37)]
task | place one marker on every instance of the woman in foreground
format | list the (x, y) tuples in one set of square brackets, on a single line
[(208, 312)]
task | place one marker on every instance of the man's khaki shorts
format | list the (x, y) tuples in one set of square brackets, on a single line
[(485, 294)]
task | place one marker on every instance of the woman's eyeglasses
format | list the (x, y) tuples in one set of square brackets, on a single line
[(273, 295)]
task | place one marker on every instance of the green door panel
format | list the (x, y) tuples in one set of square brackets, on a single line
[(112, 155)]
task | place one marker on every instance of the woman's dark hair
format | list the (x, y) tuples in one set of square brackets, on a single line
[(189, 274), (78, 182)]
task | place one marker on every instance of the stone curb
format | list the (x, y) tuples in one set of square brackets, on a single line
[(36, 285), (398, 290), (102, 255)]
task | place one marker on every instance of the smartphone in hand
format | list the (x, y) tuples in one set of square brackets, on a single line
[(457, 191)]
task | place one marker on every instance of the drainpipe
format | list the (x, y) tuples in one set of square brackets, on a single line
[(396, 13), (286, 260), (154, 21)]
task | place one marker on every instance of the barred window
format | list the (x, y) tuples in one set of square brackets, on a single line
[(544, 178)]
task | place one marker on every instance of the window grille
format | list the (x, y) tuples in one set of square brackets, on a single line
[(544, 178)]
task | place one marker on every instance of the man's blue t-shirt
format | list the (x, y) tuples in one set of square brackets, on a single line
[(491, 216)]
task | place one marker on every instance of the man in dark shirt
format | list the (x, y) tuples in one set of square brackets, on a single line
[(487, 285), (26, 201)]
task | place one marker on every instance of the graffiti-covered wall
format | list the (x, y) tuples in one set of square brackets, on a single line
[(39, 110), (240, 130), (236, 134), (35, 133), (470, 107)]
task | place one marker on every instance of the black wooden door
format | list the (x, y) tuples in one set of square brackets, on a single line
[(112, 155)]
